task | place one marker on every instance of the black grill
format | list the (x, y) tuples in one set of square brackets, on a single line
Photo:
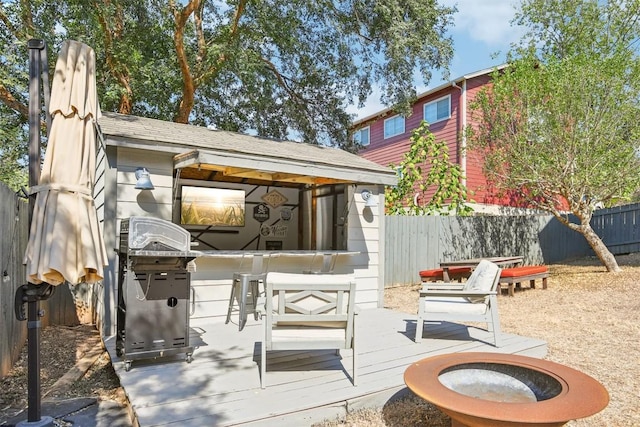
[(154, 290)]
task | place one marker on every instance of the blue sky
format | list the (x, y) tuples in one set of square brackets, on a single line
[(481, 28)]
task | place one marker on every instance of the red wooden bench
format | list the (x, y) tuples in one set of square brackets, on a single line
[(436, 275), (516, 275)]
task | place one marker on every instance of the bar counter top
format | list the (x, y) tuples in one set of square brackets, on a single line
[(239, 253)]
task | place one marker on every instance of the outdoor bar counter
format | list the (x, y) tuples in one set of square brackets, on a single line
[(212, 274), (322, 260), (316, 261)]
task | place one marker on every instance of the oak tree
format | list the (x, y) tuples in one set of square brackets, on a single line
[(278, 68)]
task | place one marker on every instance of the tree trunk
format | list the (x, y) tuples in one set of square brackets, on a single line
[(601, 250), (181, 17)]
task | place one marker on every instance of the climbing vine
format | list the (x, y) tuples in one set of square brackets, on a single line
[(428, 182)]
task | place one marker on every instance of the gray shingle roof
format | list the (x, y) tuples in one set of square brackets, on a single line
[(191, 137)]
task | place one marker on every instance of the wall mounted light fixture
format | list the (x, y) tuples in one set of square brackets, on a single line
[(369, 199), (143, 179)]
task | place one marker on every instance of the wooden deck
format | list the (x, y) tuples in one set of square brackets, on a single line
[(222, 385)]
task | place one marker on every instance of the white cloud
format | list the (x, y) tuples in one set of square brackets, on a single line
[(488, 21)]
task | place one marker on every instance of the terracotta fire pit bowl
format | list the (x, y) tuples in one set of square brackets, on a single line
[(495, 390)]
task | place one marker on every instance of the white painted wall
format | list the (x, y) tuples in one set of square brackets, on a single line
[(364, 235), (212, 279)]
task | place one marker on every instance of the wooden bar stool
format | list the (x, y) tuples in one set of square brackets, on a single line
[(245, 289)]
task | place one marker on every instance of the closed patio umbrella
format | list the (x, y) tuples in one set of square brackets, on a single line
[(65, 241)]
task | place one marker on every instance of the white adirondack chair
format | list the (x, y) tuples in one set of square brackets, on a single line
[(473, 301), (308, 312)]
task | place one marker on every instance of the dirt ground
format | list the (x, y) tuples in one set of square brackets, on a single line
[(589, 318), (57, 360)]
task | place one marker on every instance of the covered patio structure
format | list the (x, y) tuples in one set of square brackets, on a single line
[(292, 202)]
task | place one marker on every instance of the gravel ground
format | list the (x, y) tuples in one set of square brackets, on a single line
[(590, 319)]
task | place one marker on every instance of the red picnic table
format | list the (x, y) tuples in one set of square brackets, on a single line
[(473, 262)]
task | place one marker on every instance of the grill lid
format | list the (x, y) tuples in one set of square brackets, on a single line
[(152, 234)]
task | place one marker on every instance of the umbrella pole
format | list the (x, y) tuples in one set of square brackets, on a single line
[(35, 64), (31, 293), (33, 359)]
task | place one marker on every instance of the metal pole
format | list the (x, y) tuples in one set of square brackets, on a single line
[(33, 365), (33, 321), (36, 49)]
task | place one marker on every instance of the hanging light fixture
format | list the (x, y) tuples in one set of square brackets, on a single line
[(369, 199), (143, 179)]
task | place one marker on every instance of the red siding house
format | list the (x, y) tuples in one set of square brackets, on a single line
[(385, 134)]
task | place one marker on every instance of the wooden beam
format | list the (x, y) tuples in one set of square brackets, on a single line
[(325, 181), (306, 179), (191, 159), (182, 157), (209, 167), (248, 173), (288, 177)]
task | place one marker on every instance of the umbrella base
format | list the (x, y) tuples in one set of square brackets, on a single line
[(43, 422)]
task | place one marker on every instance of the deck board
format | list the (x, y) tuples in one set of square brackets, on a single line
[(222, 384)]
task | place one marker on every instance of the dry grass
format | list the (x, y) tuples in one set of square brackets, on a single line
[(590, 320)]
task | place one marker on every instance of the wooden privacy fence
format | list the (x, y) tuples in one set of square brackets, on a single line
[(60, 309), (414, 243), (14, 218), (619, 228)]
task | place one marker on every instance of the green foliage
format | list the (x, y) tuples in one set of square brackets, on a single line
[(560, 123), (429, 183), (16, 28), (277, 67), (14, 171)]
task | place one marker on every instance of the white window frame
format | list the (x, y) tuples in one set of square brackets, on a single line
[(396, 117), (434, 103), (360, 132)]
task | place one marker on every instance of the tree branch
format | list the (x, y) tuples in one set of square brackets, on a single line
[(10, 101), (282, 80), (236, 19), (191, 81), (234, 33), (202, 44), (118, 71), (7, 22), (27, 19)]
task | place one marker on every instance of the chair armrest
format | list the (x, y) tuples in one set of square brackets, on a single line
[(454, 293), (449, 286)]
